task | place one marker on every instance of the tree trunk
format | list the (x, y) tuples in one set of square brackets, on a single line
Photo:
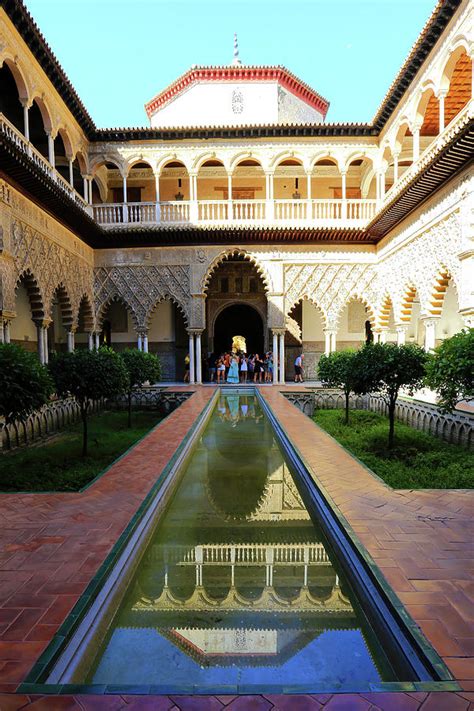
[(84, 429), (129, 408), (347, 394), (391, 421)]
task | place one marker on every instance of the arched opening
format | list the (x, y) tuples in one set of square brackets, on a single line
[(141, 192), (355, 325), (10, 104), (404, 147), (39, 124), (30, 312), (450, 321), (61, 155), (290, 188), (236, 283), (212, 190), (428, 110), (118, 330), (304, 333), (61, 313), (85, 322), (78, 172), (458, 72), (411, 310), (175, 192), (239, 320), (168, 339), (387, 321), (248, 190)]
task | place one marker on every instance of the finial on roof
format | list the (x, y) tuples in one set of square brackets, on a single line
[(236, 61)]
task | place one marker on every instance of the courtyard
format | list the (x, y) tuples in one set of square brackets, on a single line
[(236, 357)]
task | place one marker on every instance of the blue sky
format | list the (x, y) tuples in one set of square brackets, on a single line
[(120, 53)]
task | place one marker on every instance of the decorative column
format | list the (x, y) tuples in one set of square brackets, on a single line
[(269, 204), (90, 341), (281, 357), (2, 330), (309, 197), (46, 345), (26, 120), (50, 148), (198, 358), (97, 340), (193, 209), (71, 173), (401, 330), (329, 340), (441, 99), (430, 333), (40, 335), (139, 342), (6, 331), (383, 335), (191, 358), (230, 204), (395, 166), (125, 207), (85, 188), (416, 143), (275, 357), (70, 341), (145, 342), (157, 193), (344, 199)]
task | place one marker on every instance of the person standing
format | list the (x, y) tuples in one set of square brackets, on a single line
[(220, 370), (243, 368), (233, 374), (299, 368), (187, 361), (211, 366)]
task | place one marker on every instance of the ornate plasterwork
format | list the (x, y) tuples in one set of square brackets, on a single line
[(421, 262), (51, 265), (141, 287), (330, 287)]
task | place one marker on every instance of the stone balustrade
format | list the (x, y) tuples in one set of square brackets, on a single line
[(456, 427), (51, 418)]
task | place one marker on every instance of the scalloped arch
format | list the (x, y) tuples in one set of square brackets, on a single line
[(224, 255), (306, 297), (166, 297)]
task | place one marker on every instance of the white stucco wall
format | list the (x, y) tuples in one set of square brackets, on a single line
[(229, 103)]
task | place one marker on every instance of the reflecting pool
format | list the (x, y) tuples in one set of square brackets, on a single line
[(237, 586)]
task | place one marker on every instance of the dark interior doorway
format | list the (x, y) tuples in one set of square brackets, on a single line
[(238, 320)]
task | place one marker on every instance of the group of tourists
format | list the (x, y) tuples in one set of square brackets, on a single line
[(234, 368)]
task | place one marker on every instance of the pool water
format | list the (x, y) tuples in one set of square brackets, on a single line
[(237, 586)]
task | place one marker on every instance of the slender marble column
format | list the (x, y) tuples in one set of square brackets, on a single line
[(282, 357), (275, 357), (198, 359), (191, 358)]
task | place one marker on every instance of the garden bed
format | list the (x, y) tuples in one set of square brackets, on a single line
[(57, 465), (417, 461)]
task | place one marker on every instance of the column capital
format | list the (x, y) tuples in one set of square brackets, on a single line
[(194, 331), (44, 322), (401, 327), (278, 331)]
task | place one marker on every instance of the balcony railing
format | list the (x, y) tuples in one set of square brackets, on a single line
[(319, 213), (40, 161)]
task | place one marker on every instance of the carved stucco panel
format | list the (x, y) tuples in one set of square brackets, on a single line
[(51, 265), (141, 288)]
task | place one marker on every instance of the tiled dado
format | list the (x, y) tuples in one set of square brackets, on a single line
[(51, 546)]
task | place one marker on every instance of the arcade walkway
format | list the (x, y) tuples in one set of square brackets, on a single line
[(51, 545)]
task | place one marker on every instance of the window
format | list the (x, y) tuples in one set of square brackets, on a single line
[(224, 284)]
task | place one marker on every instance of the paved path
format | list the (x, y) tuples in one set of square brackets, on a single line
[(51, 546)]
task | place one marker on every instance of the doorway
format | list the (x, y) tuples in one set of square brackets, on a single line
[(239, 320)]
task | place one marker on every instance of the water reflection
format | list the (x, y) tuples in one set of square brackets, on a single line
[(236, 578)]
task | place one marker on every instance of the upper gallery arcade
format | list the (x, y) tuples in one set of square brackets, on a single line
[(377, 213)]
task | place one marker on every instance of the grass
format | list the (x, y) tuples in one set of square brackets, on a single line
[(57, 465), (417, 461)]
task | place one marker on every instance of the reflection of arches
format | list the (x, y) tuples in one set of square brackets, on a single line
[(238, 318), (227, 256)]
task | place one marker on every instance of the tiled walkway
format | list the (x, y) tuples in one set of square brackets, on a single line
[(51, 546)]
